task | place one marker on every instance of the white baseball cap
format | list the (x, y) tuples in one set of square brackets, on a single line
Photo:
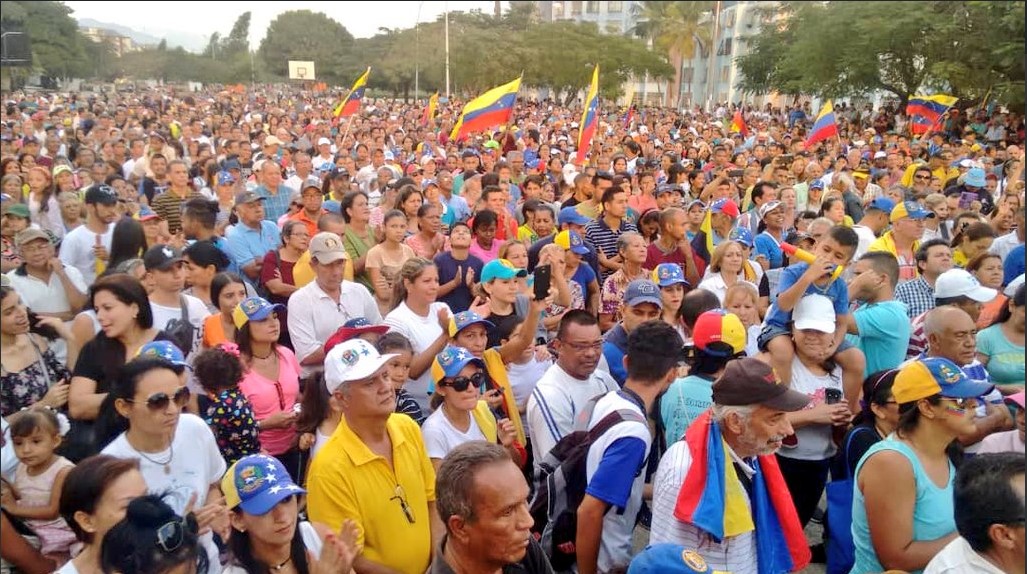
[(352, 360), (960, 283), (324, 141), (814, 312), (880, 155), (569, 173), (1010, 290)]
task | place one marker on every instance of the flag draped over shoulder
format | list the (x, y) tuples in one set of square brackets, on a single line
[(430, 109), (589, 118), (487, 110), (738, 124), (351, 103), (926, 112), (825, 125), (713, 500)]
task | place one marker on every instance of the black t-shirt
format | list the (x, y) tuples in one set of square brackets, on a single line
[(504, 325), (458, 299)]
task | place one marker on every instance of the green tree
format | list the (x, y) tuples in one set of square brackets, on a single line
[(57, 45), (835, 49), (238, 40), (306, 35), (677, 29)]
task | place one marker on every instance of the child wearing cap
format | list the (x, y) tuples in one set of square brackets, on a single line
[(460, 414), (801, 279)]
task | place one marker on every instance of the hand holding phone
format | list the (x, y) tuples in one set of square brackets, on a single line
[(543, 281)]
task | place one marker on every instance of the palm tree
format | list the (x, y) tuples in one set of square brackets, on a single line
[(676, 28)]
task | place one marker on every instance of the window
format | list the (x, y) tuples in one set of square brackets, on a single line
[(592, 7), (725, 73), (729, 19), (615, 6), (576, 8), (725, 47)]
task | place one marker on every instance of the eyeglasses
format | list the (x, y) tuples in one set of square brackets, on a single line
[(582, 347), (171, 535), (160, 401), (401, 496), (922, 177), (460, 384)]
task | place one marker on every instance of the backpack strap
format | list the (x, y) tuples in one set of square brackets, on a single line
[(611, 420)]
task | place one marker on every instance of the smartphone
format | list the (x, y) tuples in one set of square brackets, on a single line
[(966, 199), (543, 278), (735, 173), (832, 396)]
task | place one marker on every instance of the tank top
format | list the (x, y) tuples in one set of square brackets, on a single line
[(932, 515)]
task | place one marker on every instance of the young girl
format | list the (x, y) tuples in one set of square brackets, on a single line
[(384, 260), (39, 479), (318, 418), (742, 299), (227, 410), (399, 371)]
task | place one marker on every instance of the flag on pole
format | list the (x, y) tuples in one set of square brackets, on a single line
[(824, 127), (589, 118), (927, 112), (738, 124), (430, 109), (490, 109), (351, 103)]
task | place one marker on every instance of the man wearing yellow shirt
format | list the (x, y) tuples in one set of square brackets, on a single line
[(907, 227), (374, 469)]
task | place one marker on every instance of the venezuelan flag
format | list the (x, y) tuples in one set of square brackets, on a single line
[(738, 124), (351, 103), (589, 118), (429, 110), (824, 127), (930, 108), (712, 499), (487, 110)]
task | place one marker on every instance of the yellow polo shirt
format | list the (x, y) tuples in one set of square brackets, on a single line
[(907, 266), (347, 480)]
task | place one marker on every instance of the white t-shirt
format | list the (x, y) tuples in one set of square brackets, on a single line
[(866, 237), (556, 402), (421, 332), (197, 313), (68, 568), (47, 297), (195, 464), (8, 459), (815, 441), (77, 250), (440, 436), (959, 558), (523, 377), (1004, 244), (714, 283), (311, 541)]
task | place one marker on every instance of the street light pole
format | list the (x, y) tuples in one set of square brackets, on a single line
[(417, 52), (446, 8)]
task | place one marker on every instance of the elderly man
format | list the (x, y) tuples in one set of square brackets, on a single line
[(271, 189), (735, 439), (320, 307), (374, 469), (988, 501), (907, 227), (46, 285), (957, 288), (481, 497), (253, 236)]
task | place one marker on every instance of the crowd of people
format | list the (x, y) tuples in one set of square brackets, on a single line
[(242, 335)]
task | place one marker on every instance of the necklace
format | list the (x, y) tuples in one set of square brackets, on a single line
[(166, 464), (265, 357), (283, 564)]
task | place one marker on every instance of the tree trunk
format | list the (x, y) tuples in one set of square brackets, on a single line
[(674, 91)]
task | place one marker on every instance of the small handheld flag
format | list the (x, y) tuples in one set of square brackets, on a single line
[(589, 118), (351, 103), (430, 109), (824, 127), (738, 124)]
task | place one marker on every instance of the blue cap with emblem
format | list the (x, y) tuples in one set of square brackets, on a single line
[(257, 483)]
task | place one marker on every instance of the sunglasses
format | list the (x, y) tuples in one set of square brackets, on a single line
[(962, 404), (171, 535), (401, 496), (460, 384), (160, 401)]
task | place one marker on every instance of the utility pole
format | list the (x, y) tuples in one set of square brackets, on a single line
[(446, 8)]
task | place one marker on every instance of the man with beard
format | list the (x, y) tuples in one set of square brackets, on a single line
[(735, 439)]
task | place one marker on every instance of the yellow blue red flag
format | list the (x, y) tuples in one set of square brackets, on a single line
[(490, 109), (351, 103), (589, 118)]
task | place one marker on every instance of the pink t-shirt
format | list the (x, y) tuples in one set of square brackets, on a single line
[(486, 256), (269, 397)]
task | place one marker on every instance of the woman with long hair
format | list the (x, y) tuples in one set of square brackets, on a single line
[(877, 419), (986, 267), (267, 533), (128, 241), (42, 201), (420, 318), (126, 324), (31, 374), (968, 242), (409, 202), (385, 260), (902, 501), (1000, 347), (95, 495), (226, 291), (177, 452), (728, 266), (359, 237), (203, 261), (272, 378)]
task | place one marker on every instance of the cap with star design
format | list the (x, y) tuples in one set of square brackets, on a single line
[(256, 483)]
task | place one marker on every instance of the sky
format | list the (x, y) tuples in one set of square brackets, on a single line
[(362, 19)]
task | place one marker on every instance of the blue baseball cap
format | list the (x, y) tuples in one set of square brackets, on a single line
[(642, 291), (669, 559), (572, 241), (667, 274), (231, 164), (571, 216), (910, 209), (816, 184), (163, 350), (975, 177), (742, 235), (225, 178), (254, 309), (257, 483), (883, 204), (726, 206), (932, 376), (500, 269), (451, 361), (460, 321)]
